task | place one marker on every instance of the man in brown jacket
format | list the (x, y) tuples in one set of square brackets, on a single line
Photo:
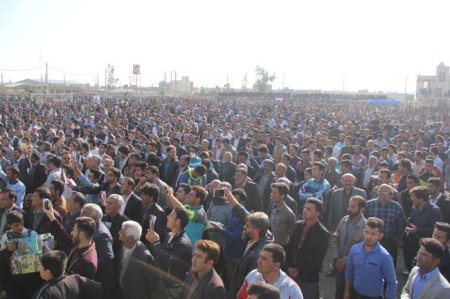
[(203, 281)]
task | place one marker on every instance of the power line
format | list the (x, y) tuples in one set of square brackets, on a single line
[(72, 74), (25, 70)]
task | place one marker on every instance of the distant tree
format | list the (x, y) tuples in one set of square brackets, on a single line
[(112, 81), (263, 80)]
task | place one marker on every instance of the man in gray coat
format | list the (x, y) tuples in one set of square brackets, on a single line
[(425, 280), (348, 232), (340, 198), (136, 275)]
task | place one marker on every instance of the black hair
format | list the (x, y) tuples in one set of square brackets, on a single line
[(55, 261), (87, 225)]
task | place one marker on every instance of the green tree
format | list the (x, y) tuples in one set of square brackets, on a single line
[(263, 80)]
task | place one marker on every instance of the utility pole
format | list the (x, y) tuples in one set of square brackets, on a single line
[(406, 85), (64, 79), (2, 78), (46, 77)]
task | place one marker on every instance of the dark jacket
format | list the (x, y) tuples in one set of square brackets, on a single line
[(134, 209), (82, 261), (254, 201), (43, 226), (114, 225), (308, 259), (174, 257), (63, 238), (168, 171), (209, 286), (444, 205), (234, 245), (103, 245), (140, 278), (69, 287), (444, 265), (267, 189), (160, 222), (248, 263), (32, 177)]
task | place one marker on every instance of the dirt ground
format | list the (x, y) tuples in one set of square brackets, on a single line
[(328, 283)]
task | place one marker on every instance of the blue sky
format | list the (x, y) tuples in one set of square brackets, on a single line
[(375, 45)]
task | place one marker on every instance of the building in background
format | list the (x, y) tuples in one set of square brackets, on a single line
[(434, 89)]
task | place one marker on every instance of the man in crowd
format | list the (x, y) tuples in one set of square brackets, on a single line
[(365, 277), (268, 270), (256, 232), (153, 213), (391, 212), (203, 282), (348, 232), (306, 249), (7, 205), (113, 220), (174, 254), (83, 257), (241, 180), (442, 234), (103, 244), (11, 178), (132, 204), (424, 216), (434, 186), (281, 217), (136, 275), (340, 199), (425, 280), (59, 285), (316, 187)]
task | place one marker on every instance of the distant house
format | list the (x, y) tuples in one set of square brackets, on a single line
[(434, 89)]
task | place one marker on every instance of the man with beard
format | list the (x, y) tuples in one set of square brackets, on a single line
[(349, 231), (256, 232), (82, 259)]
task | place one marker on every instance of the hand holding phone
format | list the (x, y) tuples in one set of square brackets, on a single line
[(219, 192)]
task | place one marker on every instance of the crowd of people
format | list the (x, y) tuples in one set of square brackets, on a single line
[(231, 198)]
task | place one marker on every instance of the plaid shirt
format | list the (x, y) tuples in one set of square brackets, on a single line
[(392, 215)]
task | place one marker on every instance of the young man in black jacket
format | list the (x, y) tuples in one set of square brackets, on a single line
[(174, 255), (53, 264), (306, 249)]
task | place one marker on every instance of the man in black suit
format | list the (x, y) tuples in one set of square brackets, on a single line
[(7, 205), (306, 249), (254, 202), (135, 272), (149, 195), (37, 219), (169, 167), (32, 172), (237, 141), (113, 220), (434, 186), (132, 205), (103, 244), (442, 234)]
